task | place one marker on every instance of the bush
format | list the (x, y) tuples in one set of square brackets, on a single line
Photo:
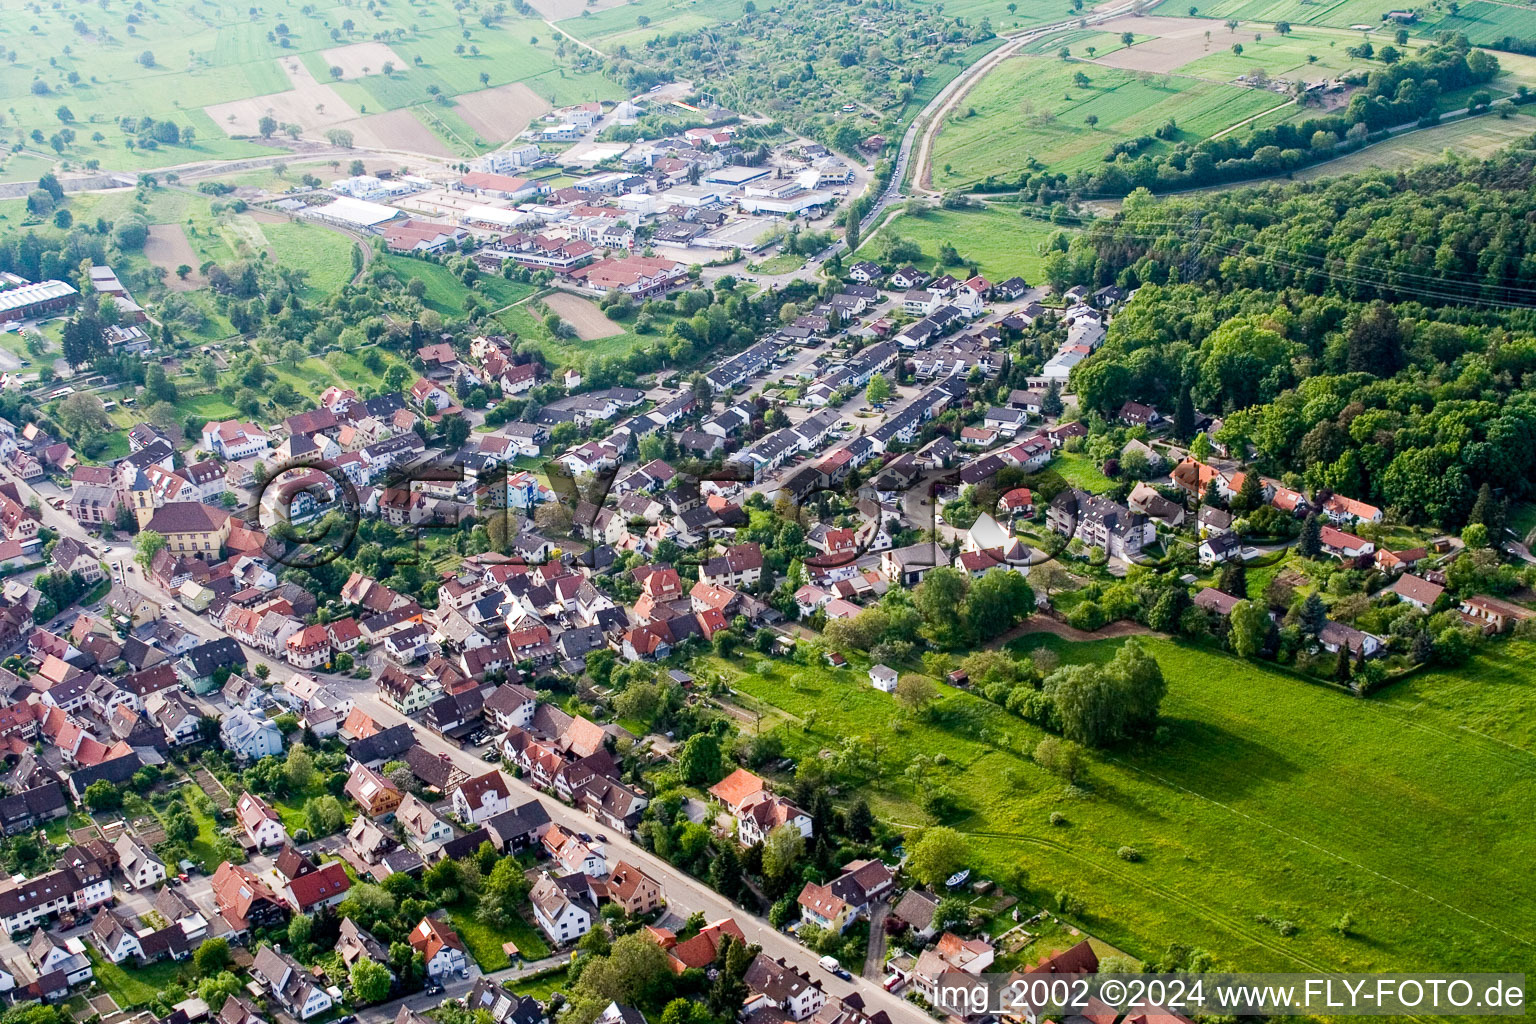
[(1057, 818), (780, 913), (1128, 853)]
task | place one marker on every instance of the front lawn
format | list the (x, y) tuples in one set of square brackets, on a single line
[(541, 986), (1080, 471), (485, 942), (206, 846), (135, 986)]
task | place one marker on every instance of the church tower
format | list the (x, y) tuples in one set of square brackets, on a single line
[(142, 497)]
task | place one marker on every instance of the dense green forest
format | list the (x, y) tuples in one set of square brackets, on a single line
[(1370, 335)]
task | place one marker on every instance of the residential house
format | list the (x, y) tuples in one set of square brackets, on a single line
[(1335, 636), (326, 886), (519, 829), (355, 944), (138, 865), (1100, 522), (249, 736), (757, 811), (1417, 591), (1344, 545), (915, 910), (26, 903), (1492, 614), (631, 888), (951, 954), (774, 983), (289, 984), (562, 908), (424, 831), (1347, 510), (503, 1007), (27, 810), (701, 950), (71, 556), (479, 800), (1219, 548), (244, 901), (373, 793)]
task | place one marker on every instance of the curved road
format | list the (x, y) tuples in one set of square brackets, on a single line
[(684, 893), (926, 123)]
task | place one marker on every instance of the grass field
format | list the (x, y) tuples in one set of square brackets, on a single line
[(485, 942), (999, 241), (783, 263), (133, 985), (1485, 22), (1079, 41), (1269, 796), (1280, 56), (541, 987), (446, 293), (323, 255), (1338, 14), (1471, 137), (1080, 471), (1031, 108), (562, 352), (170, 61)]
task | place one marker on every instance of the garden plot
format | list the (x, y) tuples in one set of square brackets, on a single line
[(310, 105), (501, 113), (167, 246), (1174, 43), (583, 315), (361, 59), (398, 129)]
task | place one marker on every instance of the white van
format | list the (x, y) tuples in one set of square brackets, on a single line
[(830, 964)]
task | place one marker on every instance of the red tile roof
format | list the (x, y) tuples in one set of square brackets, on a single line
[(319, 886)]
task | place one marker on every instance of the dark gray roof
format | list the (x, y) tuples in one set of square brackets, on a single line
[(382, 746), (206, 659), (519, 821)]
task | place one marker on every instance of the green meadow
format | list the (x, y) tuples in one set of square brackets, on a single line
[(996, 239), (84, 67), (1266, 800), (446, 293), (1032, 108)]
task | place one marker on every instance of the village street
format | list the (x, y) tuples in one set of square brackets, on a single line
[(683, 893)]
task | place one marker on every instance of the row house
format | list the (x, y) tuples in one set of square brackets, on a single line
[(739, 566), (26, 903), (309, 647)]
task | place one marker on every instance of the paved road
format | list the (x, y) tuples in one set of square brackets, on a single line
[(683, 892), (454, 989), (927, 120)]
